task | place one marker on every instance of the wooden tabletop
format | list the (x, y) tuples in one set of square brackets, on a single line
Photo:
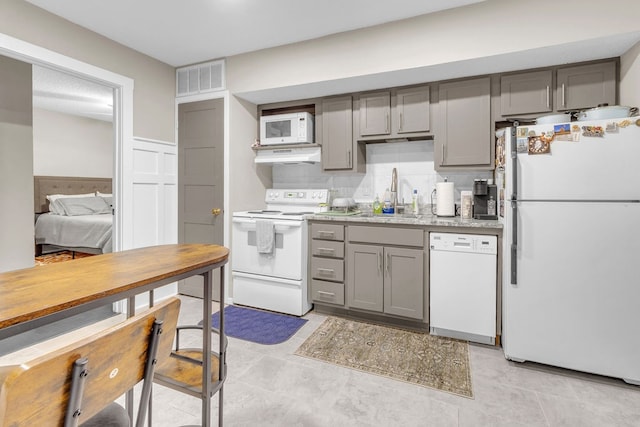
[(35, 293)]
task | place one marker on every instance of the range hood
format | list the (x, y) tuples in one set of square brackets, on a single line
[(288, 155)]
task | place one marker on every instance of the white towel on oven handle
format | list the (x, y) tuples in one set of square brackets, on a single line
[(265, 236)]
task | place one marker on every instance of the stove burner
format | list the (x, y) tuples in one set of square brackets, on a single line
[(264, 212), (297, 213)]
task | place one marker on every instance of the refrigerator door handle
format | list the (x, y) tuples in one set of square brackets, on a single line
[(514, 242), (514, 205)]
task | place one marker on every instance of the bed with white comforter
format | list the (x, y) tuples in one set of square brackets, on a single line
[(82, 233)]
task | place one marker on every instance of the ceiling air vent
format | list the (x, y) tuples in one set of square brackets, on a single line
[(200, 78)]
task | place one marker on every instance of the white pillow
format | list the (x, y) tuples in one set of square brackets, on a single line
[(55, 208)]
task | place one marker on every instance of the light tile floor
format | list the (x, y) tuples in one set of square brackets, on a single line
[(271, 386)]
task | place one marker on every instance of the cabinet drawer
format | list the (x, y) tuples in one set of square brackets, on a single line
[(327, 231), (387, 236), (330, 292), (327, 269), (327, 248)]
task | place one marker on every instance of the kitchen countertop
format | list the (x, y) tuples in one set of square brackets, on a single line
[(409, 219)]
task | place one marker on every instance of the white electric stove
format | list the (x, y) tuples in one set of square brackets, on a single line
[(277, 280)]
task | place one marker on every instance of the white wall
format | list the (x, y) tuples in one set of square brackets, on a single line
[(247, 181), (630, 77), (155, 199), (66, 145), (16, 166), (459, 42), (154, 95)]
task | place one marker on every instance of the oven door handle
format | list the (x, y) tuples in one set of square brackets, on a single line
[(249, 223)]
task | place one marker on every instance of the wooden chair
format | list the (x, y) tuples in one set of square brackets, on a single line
[(77, 385)]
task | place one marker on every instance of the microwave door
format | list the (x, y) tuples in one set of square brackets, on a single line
[(278, 129)]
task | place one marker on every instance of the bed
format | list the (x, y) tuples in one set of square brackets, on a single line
[(73, 213)]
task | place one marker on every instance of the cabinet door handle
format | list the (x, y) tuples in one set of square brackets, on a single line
[(548, 96), (326, 233), (380, 262), (388, 264), (564, 104), (327, 250), (386, 117), (325, 270), (329, 294), (401, 123), (349, 158)]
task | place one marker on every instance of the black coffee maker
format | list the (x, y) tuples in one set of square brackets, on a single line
[(485, 200)]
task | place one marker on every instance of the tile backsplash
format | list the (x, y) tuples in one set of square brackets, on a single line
[(413, 161)]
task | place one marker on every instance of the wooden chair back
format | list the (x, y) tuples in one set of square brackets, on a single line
[(37, 393)]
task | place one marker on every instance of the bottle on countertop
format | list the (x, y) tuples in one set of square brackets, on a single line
[(491, 206), (388, 207), (415, 208), (377, 206)]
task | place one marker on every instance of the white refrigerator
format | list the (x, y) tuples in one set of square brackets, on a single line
[(571, 278)]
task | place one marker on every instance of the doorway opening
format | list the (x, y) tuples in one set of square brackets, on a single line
[(73, 156)]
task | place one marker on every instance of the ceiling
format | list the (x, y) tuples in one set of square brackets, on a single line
[(57, 91), (195, 31), (191, 31)]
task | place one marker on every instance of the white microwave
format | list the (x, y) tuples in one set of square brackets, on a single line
[(292, 128)]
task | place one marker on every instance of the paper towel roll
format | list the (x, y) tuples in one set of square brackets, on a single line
[(444, 199)]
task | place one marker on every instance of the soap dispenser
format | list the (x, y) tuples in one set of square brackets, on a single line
[(377, 206)]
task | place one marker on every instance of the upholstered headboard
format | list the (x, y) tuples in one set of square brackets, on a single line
[(45, 185)]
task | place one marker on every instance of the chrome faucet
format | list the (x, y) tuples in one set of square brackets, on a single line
[(394, 190)]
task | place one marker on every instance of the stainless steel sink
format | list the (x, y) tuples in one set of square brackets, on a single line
[(401, 215)]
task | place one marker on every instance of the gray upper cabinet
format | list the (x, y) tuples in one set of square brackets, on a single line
[(526, 93), (398, 113), (337, 133), (586, 86), (463, 135), (375, 114), (411, 110)]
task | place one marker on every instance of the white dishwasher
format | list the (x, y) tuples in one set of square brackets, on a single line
[(462, 283)]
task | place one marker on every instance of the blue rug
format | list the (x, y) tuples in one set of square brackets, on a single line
[(258, 326)]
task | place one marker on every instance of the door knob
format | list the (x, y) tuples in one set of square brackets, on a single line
[(216, 211)]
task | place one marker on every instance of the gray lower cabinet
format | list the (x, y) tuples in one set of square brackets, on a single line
[(327, 264), (383, 277), (403, 284), (586, 86), (386, 279), (464, 125), (365, 283)]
